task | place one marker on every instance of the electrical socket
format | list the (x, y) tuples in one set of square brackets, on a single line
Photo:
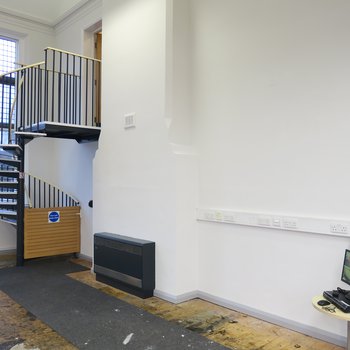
[(218, 216), (339, 228), (228, 218), (209, 216), (129, 121), (290, 223), (264, 221), (276, 222)]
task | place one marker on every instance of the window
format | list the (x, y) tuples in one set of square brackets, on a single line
[(8, 55)]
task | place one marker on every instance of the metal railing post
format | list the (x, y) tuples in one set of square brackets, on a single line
[(20, 207)]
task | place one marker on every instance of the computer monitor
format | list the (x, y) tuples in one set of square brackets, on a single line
[(345, 275)]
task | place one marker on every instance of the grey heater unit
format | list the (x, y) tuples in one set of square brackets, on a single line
[(126, 263)]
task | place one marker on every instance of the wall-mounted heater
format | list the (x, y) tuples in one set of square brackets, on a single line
[(125, 263)]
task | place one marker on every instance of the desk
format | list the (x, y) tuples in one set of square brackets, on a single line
[(337, 314)]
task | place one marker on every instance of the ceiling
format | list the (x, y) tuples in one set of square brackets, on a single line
[(48, 12)]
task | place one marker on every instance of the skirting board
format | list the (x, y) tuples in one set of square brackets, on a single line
[(280, 321), (85, 257), (176, 299), (8, 252)]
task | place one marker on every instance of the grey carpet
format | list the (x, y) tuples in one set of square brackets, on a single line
[(89, 318)]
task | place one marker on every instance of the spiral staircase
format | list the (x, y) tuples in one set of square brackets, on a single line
[(60, 98)]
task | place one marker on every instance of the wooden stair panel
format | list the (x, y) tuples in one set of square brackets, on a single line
[(46, 239)]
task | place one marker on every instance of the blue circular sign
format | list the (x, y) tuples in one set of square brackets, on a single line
[(54, 216)]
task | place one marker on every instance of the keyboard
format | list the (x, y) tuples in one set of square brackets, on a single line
[(340, 301)]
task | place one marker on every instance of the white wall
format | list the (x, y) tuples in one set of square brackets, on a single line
[(270, 100), (75, 176), (180, 137), (249, 83), (133, 176), (140, 183)]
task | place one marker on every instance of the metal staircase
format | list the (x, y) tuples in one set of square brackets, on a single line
[(58, 97), (9, 174)]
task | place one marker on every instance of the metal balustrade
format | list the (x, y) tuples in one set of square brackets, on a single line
[(64, 88), (72, 88), (41, 194)]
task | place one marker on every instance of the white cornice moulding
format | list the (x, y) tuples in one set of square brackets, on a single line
[(79, 13), (25, 16), (69, 12), (26, 23), (42, 20), (17, 19)]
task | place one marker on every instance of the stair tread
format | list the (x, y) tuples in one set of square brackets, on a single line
[(31, 134), (10, 160), (8, 212), (10, 146), (10, 150), (12, 164), (9, 221)]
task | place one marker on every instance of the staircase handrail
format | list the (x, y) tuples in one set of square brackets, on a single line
[(72, 54), (34, 65), (23, 68)]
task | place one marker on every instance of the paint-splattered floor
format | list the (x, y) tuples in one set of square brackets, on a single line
[(21, 330)]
